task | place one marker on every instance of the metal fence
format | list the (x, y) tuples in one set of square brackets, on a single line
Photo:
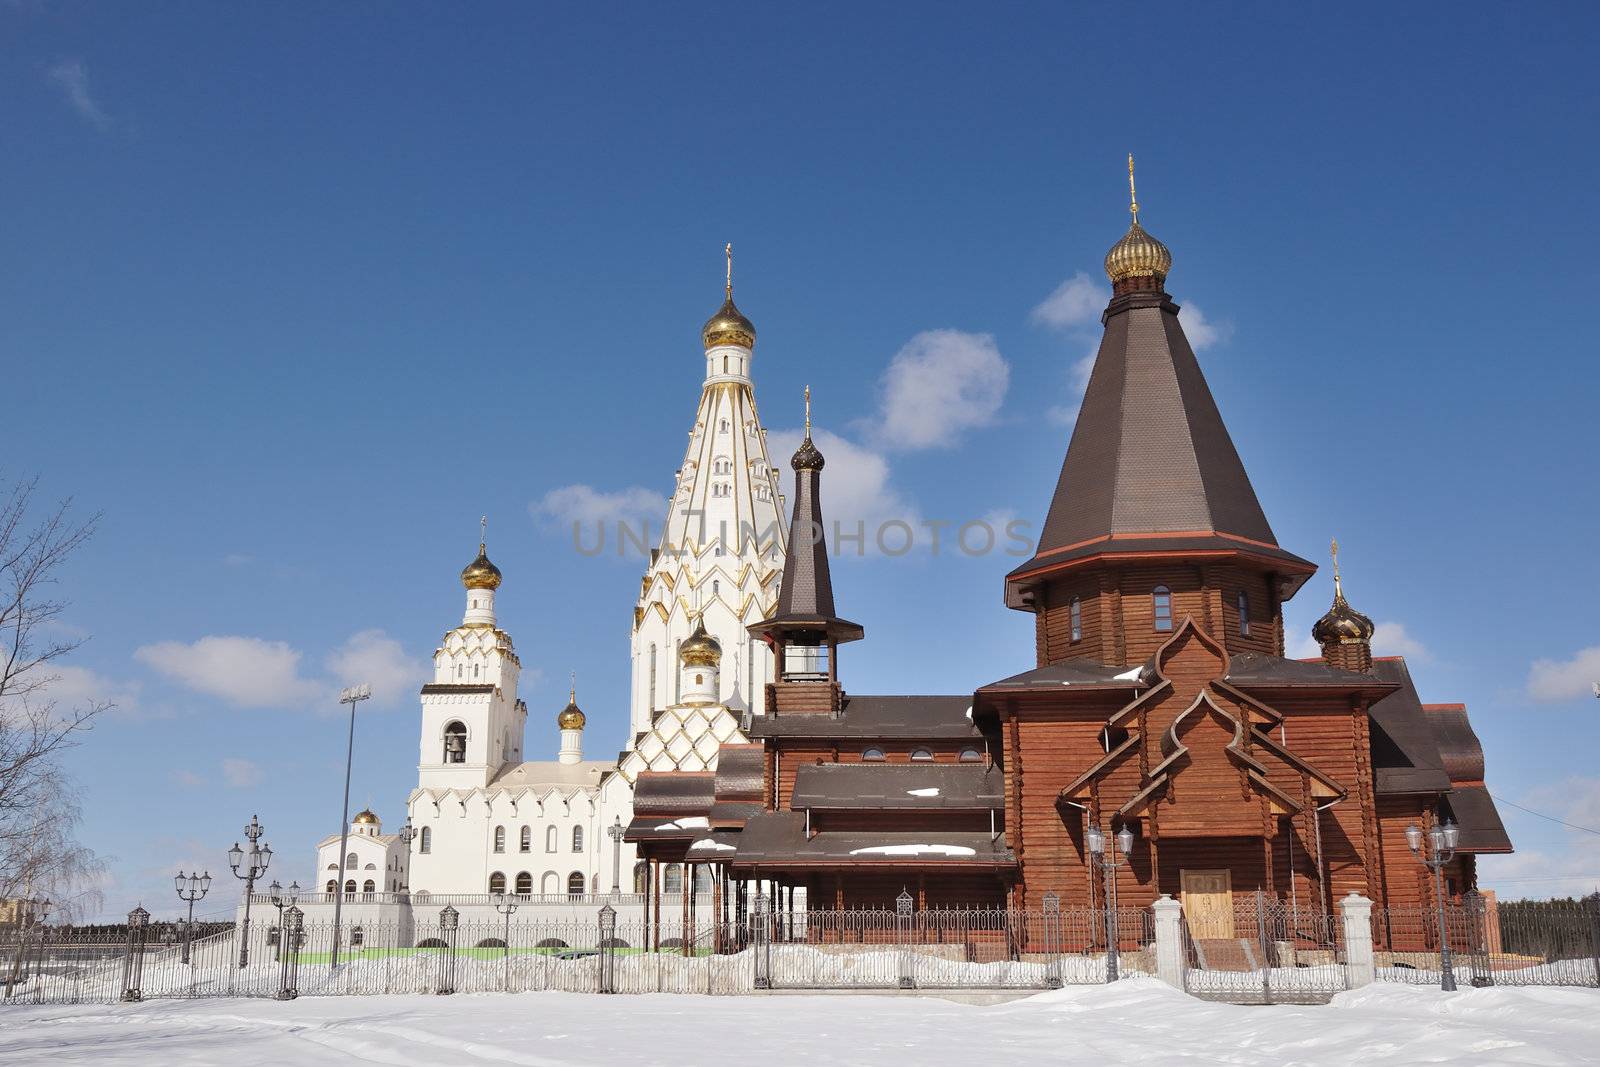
[(1268, 951), (1551, 942)]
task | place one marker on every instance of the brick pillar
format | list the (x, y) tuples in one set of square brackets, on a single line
[(1355, 911), (1169, 940)]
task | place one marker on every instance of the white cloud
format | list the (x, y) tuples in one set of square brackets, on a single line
[(188, 779), (1391, 639), (1573, 867), (1201, 331), (1569, 679), (940, 383), (1304, 647), (1077, 302), (78, 687), (71, 76), (375, 658), (587, 505), (240, 773), (245, 671)]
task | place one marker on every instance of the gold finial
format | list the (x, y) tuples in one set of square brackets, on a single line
[(483, 532), (808, 412), (727, 250), (572, 693), (1334, 549), (1133, 197)]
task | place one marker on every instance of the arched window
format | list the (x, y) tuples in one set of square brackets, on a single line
[(499, 838), (921, 755), (1161, 607), (702, 878), (550, 839), (369, 886), (350, 889), (1244, 614), (971, 755), (525, 840), (641, 876), (873, 755), (652, 677), (575, 884), (455, 743), (1077, 619), (672, 881), (350, 862), (426, 840), (357, 935), (331, 888), (497, 882), (524, 884), (577, 839)]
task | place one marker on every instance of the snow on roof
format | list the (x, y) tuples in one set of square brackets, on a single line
[(913, 850)]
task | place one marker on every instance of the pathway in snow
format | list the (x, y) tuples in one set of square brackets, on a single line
[(1139, 1021)]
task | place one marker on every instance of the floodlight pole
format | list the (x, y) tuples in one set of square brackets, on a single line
[(352, 696)]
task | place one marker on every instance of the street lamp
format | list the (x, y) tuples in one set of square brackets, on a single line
[(191, 887), (249, 866), (281, 900), (408, 834), (449, 920), (615, 831), (351, 695), (505, 906), (1110, 862), (1435, 849)]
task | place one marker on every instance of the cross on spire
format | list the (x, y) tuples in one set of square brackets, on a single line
[(483, 532), (572, 693), (727, 250), (1334, 551), (1133, 196), (808, 412)]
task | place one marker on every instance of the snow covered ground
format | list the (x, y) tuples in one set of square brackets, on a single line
[(1137, 1021)]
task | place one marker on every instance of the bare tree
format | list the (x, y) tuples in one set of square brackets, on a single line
[(39, 816)]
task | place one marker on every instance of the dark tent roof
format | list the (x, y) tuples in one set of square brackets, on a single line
[(907, 786), (1475, 814), (1150, 461), (922, 718), (1256, 670), (780, 838), (673, 793), (1405, 757), (805, 595)]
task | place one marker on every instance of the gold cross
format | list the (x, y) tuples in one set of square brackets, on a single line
[(727, 250), (483, 532), (808, 412), (1133, 197)]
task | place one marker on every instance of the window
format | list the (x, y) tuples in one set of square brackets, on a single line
[(550, 839), (1077, 620), (641, 876), (524, 884), (331, 888), (499, 838), (577, 839), (575, 884), (652, 677), (369, 886), (426, 845), (350, 889), (702, 878), (1161, 607), (873, 755), (350, 862), (525, 840), (455, 743), (672, 882), (497, 882), (921, 754), (1244, 614), (971, 755), (357, 936)]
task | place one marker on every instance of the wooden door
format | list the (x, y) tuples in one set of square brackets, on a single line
[(1208, 903)]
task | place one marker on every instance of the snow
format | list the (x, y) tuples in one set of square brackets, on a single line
[(711, 845), (691, 822), (1139, 1021), (926, 791), (1129, 675), (913, 850)]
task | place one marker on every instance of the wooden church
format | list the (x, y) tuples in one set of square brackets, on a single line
[(1161, 702)]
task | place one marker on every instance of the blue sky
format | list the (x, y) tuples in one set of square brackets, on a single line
[(294, 295)]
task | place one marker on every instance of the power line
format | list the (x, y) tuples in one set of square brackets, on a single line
[(1542, 815)]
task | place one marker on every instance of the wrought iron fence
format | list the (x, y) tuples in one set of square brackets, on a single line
[(1548, 942), (1268, 951)]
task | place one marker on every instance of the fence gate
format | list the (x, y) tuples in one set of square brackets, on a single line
[(1526, 942), (1275, 952)]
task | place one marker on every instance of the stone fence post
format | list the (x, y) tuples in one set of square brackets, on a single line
[(1355, 912), (1169, 940)]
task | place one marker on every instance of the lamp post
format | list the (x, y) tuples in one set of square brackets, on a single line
[(351, 695), (249, 866), (505, 906), (1110, 862), (281, 900), (1435, 849), (191, 887), (449, 921), (614, 831)]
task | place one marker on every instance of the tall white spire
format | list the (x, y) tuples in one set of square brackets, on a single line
[(722, 544)]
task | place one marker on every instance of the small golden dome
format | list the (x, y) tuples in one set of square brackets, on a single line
[(571, 717), (728, 327), (1342, 624), (365, 817), (1137, 255), (480, 573), (700, 649)]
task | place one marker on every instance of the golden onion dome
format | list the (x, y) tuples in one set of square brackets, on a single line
[(700, 649), (1137, 255), (1342, 624), (729, 327), (365, 817), (571, 717), (480, 573)]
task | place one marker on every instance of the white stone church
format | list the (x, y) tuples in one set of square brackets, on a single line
[(483, 818)]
